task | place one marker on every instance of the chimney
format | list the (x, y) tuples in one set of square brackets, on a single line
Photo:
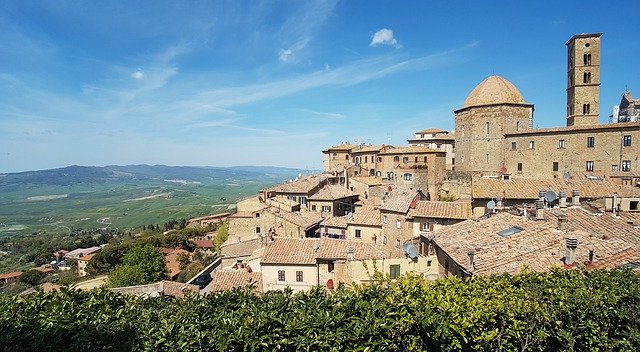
[(540, 210), (563, 199), (614, 203), (570, 257), (350, 252), (576, 197), (472, 254), (498, 203), (562, 222), (541, 195)]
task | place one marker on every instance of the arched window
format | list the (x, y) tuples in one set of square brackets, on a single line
[(587, 59), (396, 159), (517, 125), (587, 77)]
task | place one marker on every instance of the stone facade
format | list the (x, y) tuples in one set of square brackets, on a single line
[(438, 140)]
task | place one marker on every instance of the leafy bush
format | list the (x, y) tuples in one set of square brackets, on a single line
[(558, 311)]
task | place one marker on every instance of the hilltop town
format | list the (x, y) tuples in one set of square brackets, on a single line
[(494, 196)]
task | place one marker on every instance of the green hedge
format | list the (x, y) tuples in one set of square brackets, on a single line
[(558, 311)]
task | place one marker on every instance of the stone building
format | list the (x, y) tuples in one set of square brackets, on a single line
[(366, 156), (628, 110), (338, 155), (436, 139), (494, 134), (415, 167)]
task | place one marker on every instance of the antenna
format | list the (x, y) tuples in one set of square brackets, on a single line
[(550, 196), (412, 252)]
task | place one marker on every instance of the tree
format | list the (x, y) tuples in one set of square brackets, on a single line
[(140, 265), (222, 233), (32, 277)]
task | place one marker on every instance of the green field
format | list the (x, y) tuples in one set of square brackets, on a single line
[(57, 208)]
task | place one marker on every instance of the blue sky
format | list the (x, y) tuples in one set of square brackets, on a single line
[(225, 83)]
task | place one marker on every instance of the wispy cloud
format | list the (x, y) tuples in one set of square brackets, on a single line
[(287, 54), (326, 115), (384, 37)]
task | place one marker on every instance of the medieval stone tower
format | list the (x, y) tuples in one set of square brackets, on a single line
[(583, 79), (494, 108)]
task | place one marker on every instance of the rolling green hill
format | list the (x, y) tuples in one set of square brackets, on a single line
[(123, 196)]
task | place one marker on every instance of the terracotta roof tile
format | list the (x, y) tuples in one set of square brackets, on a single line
[(304, 219), (367, 180), (399, 201), (341, 147), (10, 275), (305, 184), (306, 251), (229, 279), (335, 221), (366, 215), (332, 192), (368, 149), (442, 210), (177, 289)]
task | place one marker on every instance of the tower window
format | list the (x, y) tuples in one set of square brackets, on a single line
[(586, 77), (487, 128), (587, 59), (626, 141), (586, 109), (514, 145), (487, 157), (517, 125), (591, 142)]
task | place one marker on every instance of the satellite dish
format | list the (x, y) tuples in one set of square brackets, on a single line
[(405, 247), (491, 205), (550, 196), (566, 175), (412, 252)]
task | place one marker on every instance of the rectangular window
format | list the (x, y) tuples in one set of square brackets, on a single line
[(561, 144), (626, 141), (398, 224), (514, 145), (398, 243), (591, 142), (299, 276), (614, 168), (330, 267), (257, 229), (626, 165), (313, 207), (303, 200), (407, 177), (428, 263), (519, 167), (415, 160), (589, 165), (358, 234), (379, 159), (280, 275), (394, 271), (532, 144), (405, 160), (326, 208), (555, 166), (384, 219), (425, 226)]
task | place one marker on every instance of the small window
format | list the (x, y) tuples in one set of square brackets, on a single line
[(428, 262), (586, 109), (379, 173), (326, 208), (366, 159), (514, 146), (626, 165), (398, 224), (299, 276), (626, 141), (384, 219), (532, 144), (586, 57), (257, 215), (487, 128), (405, 160), (281, 275), (394, 271), (510, 231), (407, 177), (561, 144), (589, 165), (556, 166), (313, 207), (398, 243), (384, 240), (586, 77), (425, 159), (591, 142), (614, 168), (633, 205), (517, 125), (257, 229), (396, 159), (425, 226), (303, 200), (379, 159), (519, 167), (330, 267), (487, 158), (358, 234)]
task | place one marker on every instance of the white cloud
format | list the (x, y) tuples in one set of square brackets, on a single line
[(327, 115), (285, 54), (384, 37), (137, 75)]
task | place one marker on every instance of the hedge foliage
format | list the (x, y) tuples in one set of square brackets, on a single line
[(558, 311)]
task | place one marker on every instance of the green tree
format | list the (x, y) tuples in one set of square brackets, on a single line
[(32, 277), (140, 265), (222, 233)]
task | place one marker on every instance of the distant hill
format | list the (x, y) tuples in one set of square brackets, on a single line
[(75, 175)]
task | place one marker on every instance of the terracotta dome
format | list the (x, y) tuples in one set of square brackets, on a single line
[(494, 90)]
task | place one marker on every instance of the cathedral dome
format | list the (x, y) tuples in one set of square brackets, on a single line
[(494, 90)]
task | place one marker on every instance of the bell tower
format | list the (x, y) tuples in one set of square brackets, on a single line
[(583, 79)]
